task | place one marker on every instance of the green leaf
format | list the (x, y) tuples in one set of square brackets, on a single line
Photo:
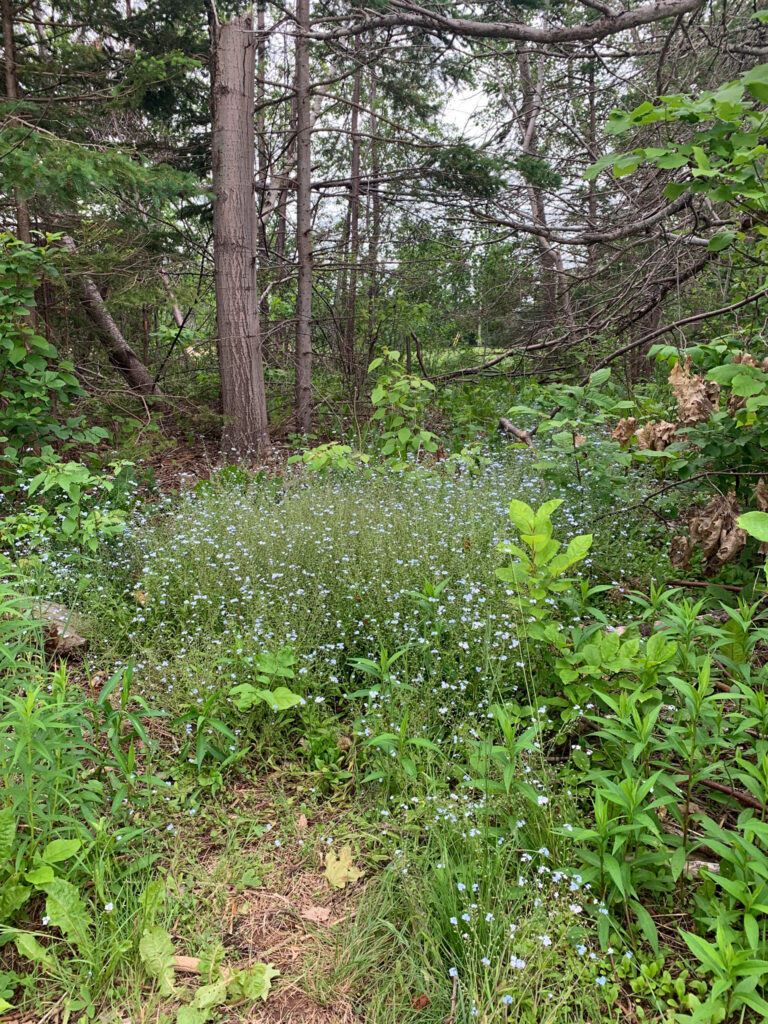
[(599, 377), (60, 849), (704, 951), (614, 870), (647, 924), (675, 189), (157, 955), (28, 946), (755, 523), (626, 164), (280, 699), (254, 982), (211, 995), (68, 527), (746, 385), (151, 899), (13, 896), (600, 165), (40, 875), (677, 863), (67, 911), (522, 516), (720, 241), (192, 1015), (7, 833)]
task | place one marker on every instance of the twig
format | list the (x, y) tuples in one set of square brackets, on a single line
[(419, 355), (743, 798), (452, 1018), (672, 327), (703, 584), (507, 427)]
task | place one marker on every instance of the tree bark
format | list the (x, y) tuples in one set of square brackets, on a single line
[(557, 295), (303, 349), (243, 394), (23, 220), (349, 350), (120, 353)]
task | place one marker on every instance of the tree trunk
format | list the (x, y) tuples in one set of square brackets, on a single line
[(243, 395), (120, 353), (374, 207), (558, 299), (349, 352), (303, 350), (23, 221)]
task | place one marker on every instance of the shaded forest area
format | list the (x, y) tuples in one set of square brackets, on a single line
[(383, 512)]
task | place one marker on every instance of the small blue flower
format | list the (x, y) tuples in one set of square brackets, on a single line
[(601, 980)]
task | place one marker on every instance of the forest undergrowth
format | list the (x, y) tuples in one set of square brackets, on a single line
[(357, 745)]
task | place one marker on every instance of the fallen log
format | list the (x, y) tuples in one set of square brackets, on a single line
[(507, 427)]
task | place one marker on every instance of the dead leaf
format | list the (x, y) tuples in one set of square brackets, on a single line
[(420, 1002), (715, 530), (338, 868), (680, 552), (301, 821), (655, 437), (696, 398), (315, 915), (624, 430), (578, 440), (140, 597)]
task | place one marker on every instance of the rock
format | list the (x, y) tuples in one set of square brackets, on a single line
[(61, 628)]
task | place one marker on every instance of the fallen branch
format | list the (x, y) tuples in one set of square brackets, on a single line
[(507, 427), (696, 318), (703, 584), (746, 799)]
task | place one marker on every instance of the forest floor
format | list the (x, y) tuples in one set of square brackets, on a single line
[(371, 844)]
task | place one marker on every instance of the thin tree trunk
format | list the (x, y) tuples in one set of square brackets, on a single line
[(303, 350), (243, 395), (120, 353), (349, 353), (23, 220), (375, 231), (558, 300)]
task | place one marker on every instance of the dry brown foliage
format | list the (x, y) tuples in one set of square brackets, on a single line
[(716, 531), (624, 430), (680, 551), (697, 398), (655, 437)]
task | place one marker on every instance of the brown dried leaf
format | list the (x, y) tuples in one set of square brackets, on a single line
[(680, 552), (716, 531), (655, 437), (301, 821), (744, 359), (316, 915), (696, 398), (420, 1002), (624, 430), (761, 495)]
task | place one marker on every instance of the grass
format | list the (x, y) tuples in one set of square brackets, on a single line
[(458, 879)]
